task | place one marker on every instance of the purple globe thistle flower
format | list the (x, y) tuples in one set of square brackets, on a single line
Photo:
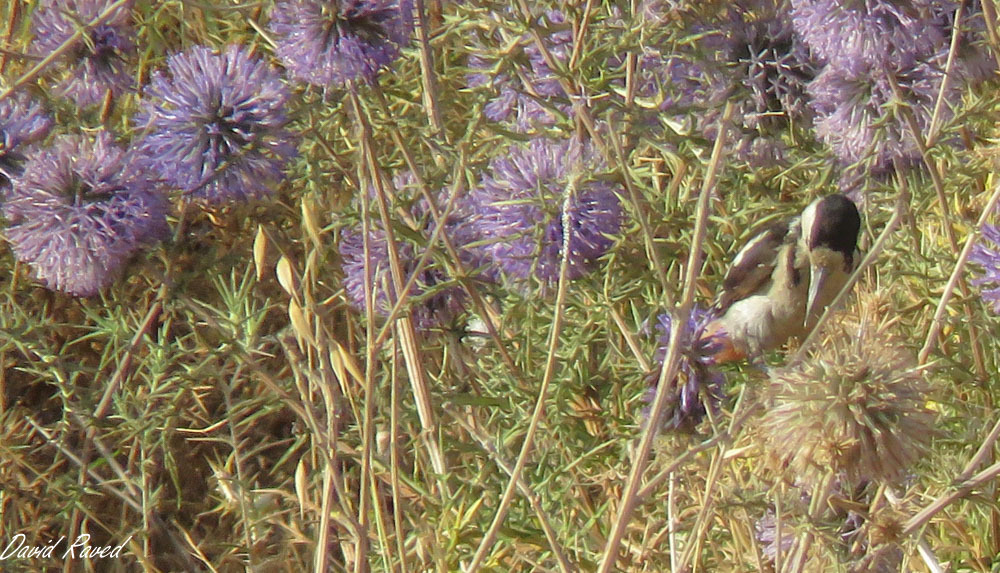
[(99, 62), (773, 65), (215, 126), (698, 386), (520, 214), (22, 122), (80, 211), (528, 92), (854, 115), (986, 254), (330, 43), (879, 33), (749, 54), (434, 300)]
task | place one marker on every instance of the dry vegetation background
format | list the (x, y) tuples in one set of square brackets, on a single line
[(225, 405)]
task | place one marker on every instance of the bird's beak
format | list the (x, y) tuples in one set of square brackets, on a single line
[(817, 276)]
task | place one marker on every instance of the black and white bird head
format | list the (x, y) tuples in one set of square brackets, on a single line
[(830, 228)]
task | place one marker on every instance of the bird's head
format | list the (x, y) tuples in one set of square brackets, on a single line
[(830, 227)]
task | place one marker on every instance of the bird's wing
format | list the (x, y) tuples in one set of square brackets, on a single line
[(753, 265)]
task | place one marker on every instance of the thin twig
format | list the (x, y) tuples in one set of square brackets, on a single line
[(949, 68), (669, 370), (533, 499), (938, 321), (962, 490), (427, 72), (486, 544), (408, 336)]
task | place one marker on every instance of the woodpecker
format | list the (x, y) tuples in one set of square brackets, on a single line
[(781, 281)]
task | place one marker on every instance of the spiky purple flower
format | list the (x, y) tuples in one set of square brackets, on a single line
[(877, 33), (527, 91), (80, 211), (215, 125), (98, 62), (772, 64), (22, 122), (868, 46), (986, 254), (434, 300), (855, 117), (332, 42), (698, 385), (749, 55), (520, 213)]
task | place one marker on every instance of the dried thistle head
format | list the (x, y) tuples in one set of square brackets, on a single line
[(854, 407)]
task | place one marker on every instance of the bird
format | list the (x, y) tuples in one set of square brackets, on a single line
[(780, 282)]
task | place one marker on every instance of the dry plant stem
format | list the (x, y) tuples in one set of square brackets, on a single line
[(670, 362), (63, 48), (938, 321), (990, 16), (630, 340), (11, 22), (932, 168), (703, 520), (123, 369), (931, 560), (489, 538), (408, 336), (334, 489), (647, 231), (963, 489), (523, 487), (579, 109), (580, 35), (956, 31), (672, 520), (394, 464), (428, 75), (455, 265), (876, 250), (371, 349), (799, 553), (227, 395), (701, 523), (985, 451), (159, 526)]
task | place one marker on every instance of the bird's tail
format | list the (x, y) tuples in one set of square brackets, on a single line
[(717, 347)]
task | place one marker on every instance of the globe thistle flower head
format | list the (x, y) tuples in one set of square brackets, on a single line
[(520, 214), (333, 42), (698, 386), (773, 65), (79, 211), (215, 125), (855, 408), (100, 61), (527, 92), (855, 113), (22, 122), (878, 33), (986, 254)]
